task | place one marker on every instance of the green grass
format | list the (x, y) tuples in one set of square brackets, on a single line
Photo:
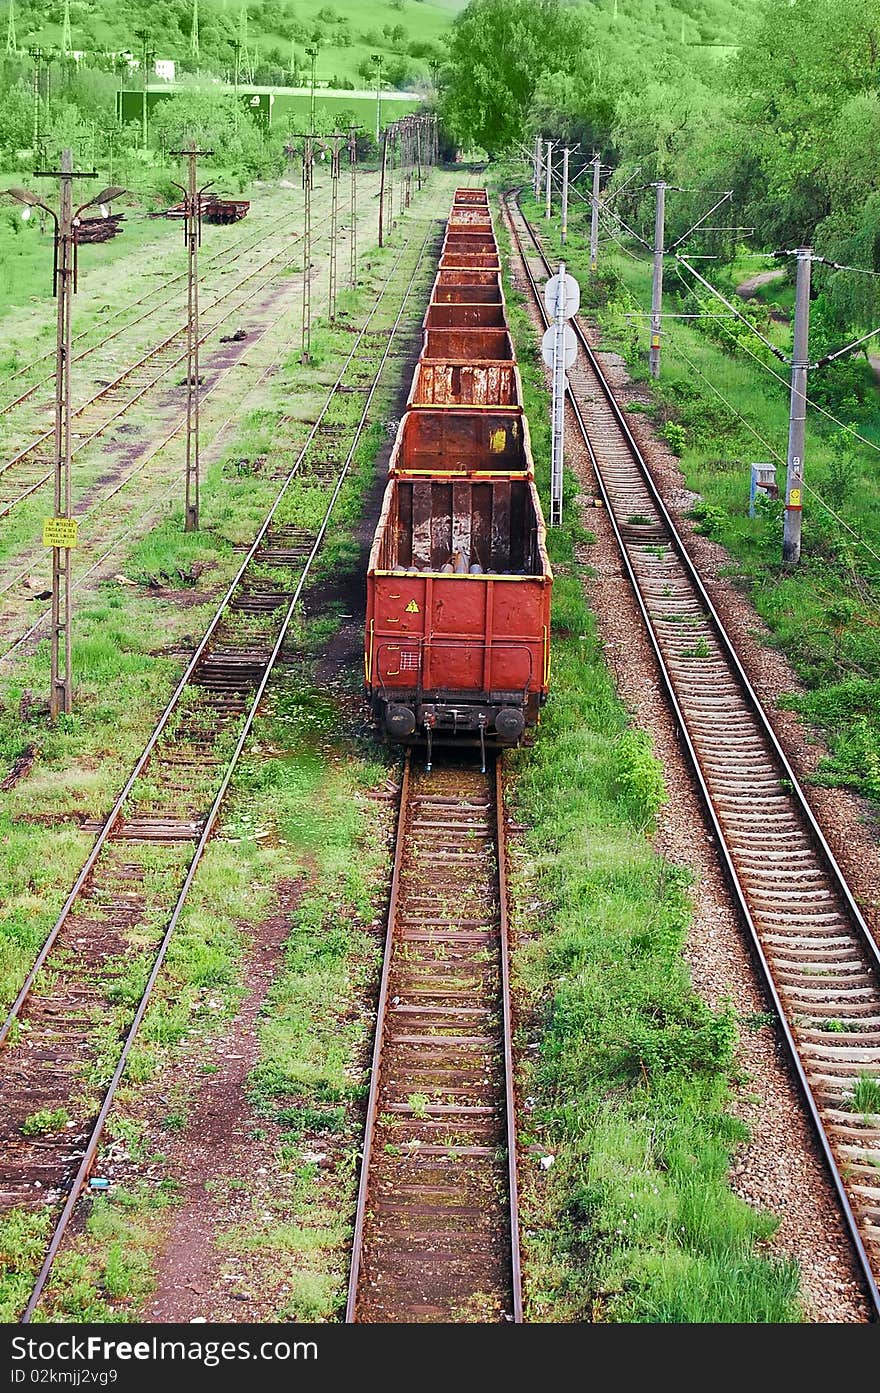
[(631, 1082)]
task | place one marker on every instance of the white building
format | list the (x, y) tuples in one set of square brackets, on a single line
[(164, 68)]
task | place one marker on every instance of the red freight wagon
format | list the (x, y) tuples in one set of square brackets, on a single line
[(465, 276), (467, 294), (458, 611), (463, 316), (470, 196), (443, 443), (482, 261), (469, 345), (448, 385)]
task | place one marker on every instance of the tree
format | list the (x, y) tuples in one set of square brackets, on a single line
[(498, 54)]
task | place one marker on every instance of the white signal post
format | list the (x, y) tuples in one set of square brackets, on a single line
[(562, 297)]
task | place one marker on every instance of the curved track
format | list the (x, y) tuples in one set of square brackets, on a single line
[(71, 1029), (436, 1231), (819, 960)]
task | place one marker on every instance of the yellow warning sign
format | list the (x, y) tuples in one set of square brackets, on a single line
[(794, 498), (497, 440), (412, 608), (60, 532)]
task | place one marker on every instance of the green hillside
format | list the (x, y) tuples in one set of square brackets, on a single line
[(406, 34)]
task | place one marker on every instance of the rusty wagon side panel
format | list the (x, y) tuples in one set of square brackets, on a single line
[(448, 385)]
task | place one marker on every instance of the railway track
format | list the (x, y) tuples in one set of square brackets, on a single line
[(223, 258), (29, 469), (70, 1031), (818, 958), (436, 1232)]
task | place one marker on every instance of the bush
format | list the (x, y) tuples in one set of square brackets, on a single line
[(639, 775)]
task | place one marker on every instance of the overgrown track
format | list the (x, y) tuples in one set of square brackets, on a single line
[(224, 257), (70, 1031), (30, 469), (818, 958), (436, 1232)]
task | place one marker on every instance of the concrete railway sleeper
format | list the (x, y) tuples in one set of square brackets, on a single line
[(819, 960), (68, 1035)]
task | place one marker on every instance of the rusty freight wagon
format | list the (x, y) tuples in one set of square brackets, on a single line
[(462, 441), (457, 642), (449, 385), (458, 612)]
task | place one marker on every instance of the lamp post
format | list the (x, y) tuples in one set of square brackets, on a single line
[(60, 531), (376, 60), (313, 54)]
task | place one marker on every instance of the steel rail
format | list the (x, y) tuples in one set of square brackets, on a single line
[(94, 1139), (381, 1006), (509, 1090), (826, 856)]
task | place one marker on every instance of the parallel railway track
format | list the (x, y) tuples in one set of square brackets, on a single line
[(225, 257), (70, 1031), (28, 469), (436, 1232), (818, 958)]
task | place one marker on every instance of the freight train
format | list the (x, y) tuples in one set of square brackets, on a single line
[(457, 642)]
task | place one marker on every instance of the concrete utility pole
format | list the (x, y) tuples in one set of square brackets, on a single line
[(334, 222), (192, 234), (556, 463), (657, 283), (536, 183), (794, 475), (548, 209), (564, 223), (594, 218), (376, 60)]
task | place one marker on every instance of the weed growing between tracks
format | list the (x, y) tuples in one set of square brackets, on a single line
[(627, 1072)]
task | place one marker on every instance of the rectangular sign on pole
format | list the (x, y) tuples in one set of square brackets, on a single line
[(60, 532)]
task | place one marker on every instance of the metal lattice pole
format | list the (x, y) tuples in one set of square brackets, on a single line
[(61, 681), (382, 177), (305, 355), (192, 234), (334, 222), (352, 245)]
